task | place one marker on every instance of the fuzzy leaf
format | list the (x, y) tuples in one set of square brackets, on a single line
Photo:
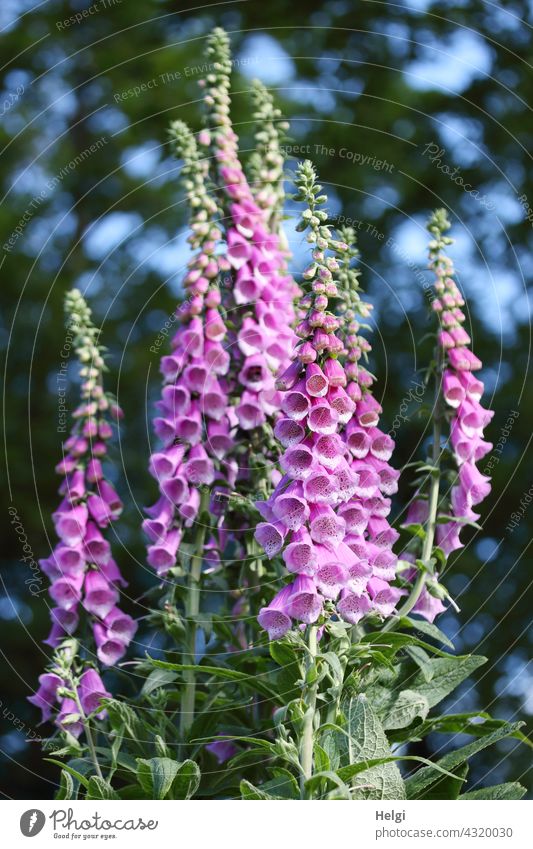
[(155, 775), (405, 708), (447, 675), (427, 628), (363, 739), (248, 791), (100, 789), (67, 789), (417, 783), (73, 772), (158, 678), (448, 787), (509, 790), (422, 660), (187, 780)]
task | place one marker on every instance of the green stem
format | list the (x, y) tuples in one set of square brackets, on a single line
[(192, 609), (433, 503), (310, 695), (87, 729)]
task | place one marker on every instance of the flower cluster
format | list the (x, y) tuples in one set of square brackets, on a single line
[(461, 390), (265, 167), (81, 568), (83, 574), (77, 699), (263, 293), (194, 423), (327, 515)]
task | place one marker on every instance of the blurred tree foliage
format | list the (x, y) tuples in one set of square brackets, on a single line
[(398, 102)]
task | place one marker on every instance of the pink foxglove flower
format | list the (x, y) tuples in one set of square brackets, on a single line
[(462, 392), (194, 424), (84, 579), (262, 289), (327, 516)]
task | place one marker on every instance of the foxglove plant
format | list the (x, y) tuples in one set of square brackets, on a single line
[(193, 425), (266, 163), (196, 422), (279, 423), (262, 291), (85, 580), (327, 515), (458, 423)]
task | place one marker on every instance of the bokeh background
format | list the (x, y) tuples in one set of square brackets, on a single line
[(403, 106)]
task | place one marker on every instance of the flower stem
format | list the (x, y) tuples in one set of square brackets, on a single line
[(87, 729), (433, 503), (310, 695), (192, 608)]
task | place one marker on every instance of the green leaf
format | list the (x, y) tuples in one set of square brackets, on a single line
[(427, 628), (448, 787), (155, 775), (509, 790), (187, 780), (476, 723), (364, 739), (348, 772), (158, 678), (342, 791), (447, 675), (404, 709), (394, 641), (123, 717), (67, 789), (321, 759), (73, 772), (100, 789), (282, 786), (252, 681), (422, 779), (249, 791), (415, 529), (422, 660)]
